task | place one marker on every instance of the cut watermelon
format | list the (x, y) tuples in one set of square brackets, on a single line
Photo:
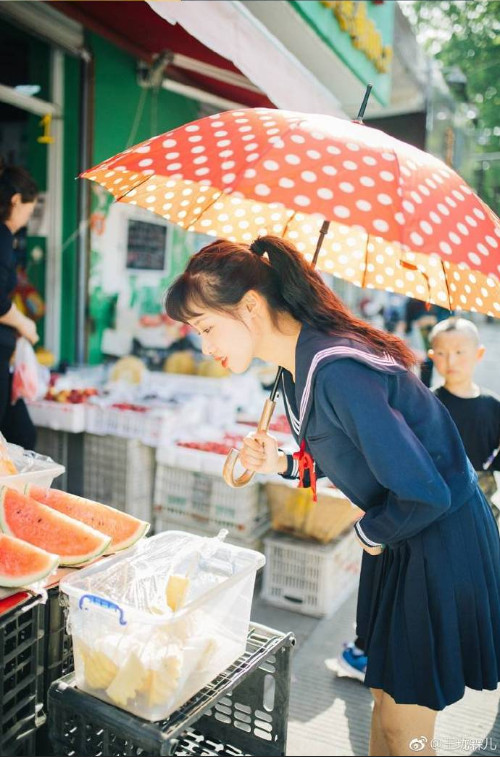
[(24, 517), (22, 564), (123, 528)]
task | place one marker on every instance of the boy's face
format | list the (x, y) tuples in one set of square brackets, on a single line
[(455, 355)]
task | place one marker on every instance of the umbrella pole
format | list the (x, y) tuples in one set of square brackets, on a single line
[(269, 405)]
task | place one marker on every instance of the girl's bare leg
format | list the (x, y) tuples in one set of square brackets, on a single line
[(378, 743), (395, 726)]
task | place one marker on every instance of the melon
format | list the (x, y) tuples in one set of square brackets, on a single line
[(25, 518), (123, 528), (22, 564)]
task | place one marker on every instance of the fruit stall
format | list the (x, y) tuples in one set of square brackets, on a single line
[(121, 522)]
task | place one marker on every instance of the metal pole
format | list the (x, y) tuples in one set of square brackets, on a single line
[(84, 211)]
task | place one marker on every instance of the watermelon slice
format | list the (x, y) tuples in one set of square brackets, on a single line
[(24, 517), (22, 564), (123, 528)]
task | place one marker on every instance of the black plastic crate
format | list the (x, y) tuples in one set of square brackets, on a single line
[(244, 711), (21, 676), (58, 642), (58, 658)]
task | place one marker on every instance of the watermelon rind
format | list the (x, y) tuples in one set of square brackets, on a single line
[(95, 514), (9, 545), (60, 520)]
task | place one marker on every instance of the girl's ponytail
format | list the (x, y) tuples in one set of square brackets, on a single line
[(220, 274)]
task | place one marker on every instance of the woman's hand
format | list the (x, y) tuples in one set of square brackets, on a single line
[(260, 454), (371, 550), (27, 328)]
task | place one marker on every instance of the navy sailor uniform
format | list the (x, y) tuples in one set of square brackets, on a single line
[(429, 605)]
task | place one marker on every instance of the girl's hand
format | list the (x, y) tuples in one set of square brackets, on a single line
[(371, 550), (260, 454)]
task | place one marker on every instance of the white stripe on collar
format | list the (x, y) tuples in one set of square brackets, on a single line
[(385, 361), (293, 417)]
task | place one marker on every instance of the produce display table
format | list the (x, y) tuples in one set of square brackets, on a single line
[(244, 711)]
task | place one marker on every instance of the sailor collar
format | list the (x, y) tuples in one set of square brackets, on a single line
[(314, 350)]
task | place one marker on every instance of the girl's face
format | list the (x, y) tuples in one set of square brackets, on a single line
[(20, 213), (228, 339)]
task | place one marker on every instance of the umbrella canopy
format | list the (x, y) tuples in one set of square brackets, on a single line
[(400, 219)]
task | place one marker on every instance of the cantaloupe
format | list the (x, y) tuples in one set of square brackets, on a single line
[(181, 361), (25, 518), (123, 528)]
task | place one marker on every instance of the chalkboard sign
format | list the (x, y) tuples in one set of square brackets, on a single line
[(146, 246)]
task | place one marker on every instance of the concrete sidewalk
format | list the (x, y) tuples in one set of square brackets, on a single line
[(330, 714)]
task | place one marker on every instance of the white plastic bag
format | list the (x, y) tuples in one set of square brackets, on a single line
[(26, 379)]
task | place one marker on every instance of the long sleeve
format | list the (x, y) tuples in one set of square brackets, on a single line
[(7, 277), (357, 399), (292, 470)]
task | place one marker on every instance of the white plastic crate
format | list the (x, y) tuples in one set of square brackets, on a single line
[(119, 472), (147, 426), (253, 540), (58, 416), (313, 579), (189, 498)]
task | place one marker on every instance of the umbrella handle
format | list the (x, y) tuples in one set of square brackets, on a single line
[(232, 458)]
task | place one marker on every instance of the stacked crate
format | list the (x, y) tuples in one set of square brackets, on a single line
[(312, 556), (22, 622), (190, 494), (244, 711), (119, 472)]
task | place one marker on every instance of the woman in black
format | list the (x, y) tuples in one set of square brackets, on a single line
[(18, 193)]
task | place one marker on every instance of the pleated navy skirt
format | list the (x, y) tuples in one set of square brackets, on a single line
[(429, 610)]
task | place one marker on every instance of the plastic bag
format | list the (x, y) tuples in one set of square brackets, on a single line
[(25, 382)]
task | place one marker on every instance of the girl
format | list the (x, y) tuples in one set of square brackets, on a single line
[(429, 609), (18, 193)]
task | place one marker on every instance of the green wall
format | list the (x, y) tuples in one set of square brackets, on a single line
[(124, 115), (117, 97), (322, 20)]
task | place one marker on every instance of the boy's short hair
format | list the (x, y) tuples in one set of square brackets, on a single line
[(455, 324)]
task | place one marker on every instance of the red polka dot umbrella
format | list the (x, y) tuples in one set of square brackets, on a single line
[(400, 219)]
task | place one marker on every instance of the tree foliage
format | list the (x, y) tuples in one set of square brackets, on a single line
[(466, 35)]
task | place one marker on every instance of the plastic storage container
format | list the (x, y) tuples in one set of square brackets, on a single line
[(33, 469), (243, 712), (131, 649)]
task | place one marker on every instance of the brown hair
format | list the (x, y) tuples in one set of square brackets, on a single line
[(220, 274), (14, 180)]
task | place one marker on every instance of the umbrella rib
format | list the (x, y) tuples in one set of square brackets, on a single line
[(447, 285), (207, 207), (287, 224), (140, 183)]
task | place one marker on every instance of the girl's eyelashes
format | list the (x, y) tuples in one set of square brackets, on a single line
[(207, 330)]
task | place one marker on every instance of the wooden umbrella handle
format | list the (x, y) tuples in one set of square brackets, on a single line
[(232, 458)]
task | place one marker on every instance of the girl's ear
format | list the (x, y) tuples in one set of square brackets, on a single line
[(480, 351), (251, 302)]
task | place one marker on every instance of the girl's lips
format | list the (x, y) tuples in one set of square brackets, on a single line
[(224, 362)]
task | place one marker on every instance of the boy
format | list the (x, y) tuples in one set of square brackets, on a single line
[(455, 349)]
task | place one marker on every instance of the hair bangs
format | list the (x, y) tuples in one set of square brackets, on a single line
[(188, 297)]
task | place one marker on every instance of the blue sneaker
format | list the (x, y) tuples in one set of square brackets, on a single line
[(353, 662)]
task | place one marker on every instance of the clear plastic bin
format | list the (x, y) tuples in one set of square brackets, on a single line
[(33, 469), (131, 649)]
